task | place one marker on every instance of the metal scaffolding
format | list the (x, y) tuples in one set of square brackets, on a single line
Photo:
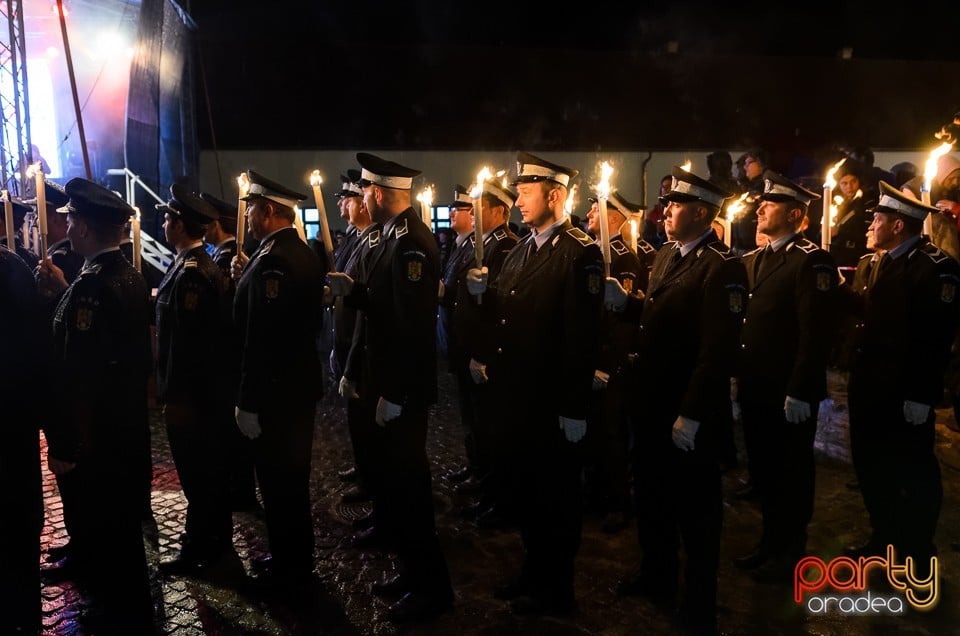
[(14, 97)]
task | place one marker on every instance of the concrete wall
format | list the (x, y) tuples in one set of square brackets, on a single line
[(444, 169)]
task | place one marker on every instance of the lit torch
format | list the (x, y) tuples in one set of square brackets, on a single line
[(244, 184), (687, 166), (8, 220), (315, 181), (135, 230), (603, 191), (734, 209), (425, 197), (36, 171), (827, 222), (476, 193), (929, 172)]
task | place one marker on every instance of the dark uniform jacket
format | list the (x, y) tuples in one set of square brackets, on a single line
[(907, 320), (63, 256), (344, 313), (790, 323), (188, 308), (345, 249), (454, 277), (850, 243), (398, 297), (545, 311), (223, 257), (277, 311), (28, 257), (690, 332), (102, 359), (467, 337), (616, 341)]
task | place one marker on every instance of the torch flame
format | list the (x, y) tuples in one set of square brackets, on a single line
[(476, 190), (603, 188), (425, 196), (687, 166), (33, 168), (315, 178), (734, 208), (571, 200), (243, 183), (930, 168), (830, 182)]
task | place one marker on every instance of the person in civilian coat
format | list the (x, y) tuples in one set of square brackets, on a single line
[(276, 310), (689, 334), (398, 298), (544, 308), (787, 336)]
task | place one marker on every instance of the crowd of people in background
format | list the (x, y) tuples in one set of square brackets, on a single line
[(599, 363)]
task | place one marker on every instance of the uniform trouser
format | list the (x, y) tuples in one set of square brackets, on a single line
[(784, 474), (199, 455), (240, 475), (608, 447), (20, 526), (363, 430), (282, 455), (405, 499), (678, 498), (477, 440), (545, 475), (897, 468)]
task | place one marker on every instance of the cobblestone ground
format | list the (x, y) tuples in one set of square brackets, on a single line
[(479, 559)]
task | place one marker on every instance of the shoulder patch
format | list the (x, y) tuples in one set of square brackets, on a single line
[(266, 248), (725, 253), (190, 263), (413, 263), (618, 246), (582, 237), (645, 247), (400, 230), (806, 246), (500, 235), (374, 239)]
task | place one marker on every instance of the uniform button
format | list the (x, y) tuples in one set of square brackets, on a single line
[(744, 321), (750, 295), (513, 292), (503, 321), (743, 346), (499, 350)]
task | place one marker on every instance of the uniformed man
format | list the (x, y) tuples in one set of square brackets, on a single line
[(398, 298), (276, 311), (908, 314), (787, 335), (688, 340), (545, 309), (102, 359), (25, 336), (189, 335), (58, 245), (477, 410), (221, 233), (20, 210), (349, 187), (606, 469)]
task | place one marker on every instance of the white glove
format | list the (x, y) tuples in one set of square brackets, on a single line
[(348, 388), (478, 372), (685, 432), (574, 430), (477, 280), (600, 380), (915, 413), (441, 291), (614, 295), (340, 284), (796, 410), (248, 423), (387, 411)]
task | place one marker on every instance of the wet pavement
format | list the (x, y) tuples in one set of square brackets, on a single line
[(339, 603)]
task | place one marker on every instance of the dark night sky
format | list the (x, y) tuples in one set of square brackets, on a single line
[(396, 74)]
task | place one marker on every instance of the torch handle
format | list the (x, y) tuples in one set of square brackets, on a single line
[(8, 220), (827, 221), (241, 224), (324, 227), (604, 236)]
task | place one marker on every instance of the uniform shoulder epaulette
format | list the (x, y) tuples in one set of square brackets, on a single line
[(190, 263), (645, 247), (867, 256), (400, 230), (374, 238), (91, 269), (936, 255), (266, 248), (500, 235), (60, 251), (806, 246), (619, 247), (582, 237), (754, 251), (726, 254)]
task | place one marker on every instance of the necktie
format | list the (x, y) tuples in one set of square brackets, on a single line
[(766, 260), (531, 250)]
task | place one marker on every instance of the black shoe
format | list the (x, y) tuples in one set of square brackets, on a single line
[(287, 586), (470, 486), (182, 566), (354, 495), (261, 564), (58, 552), (66, 570), (532, 606), (348, 474), (647, 587), (458, 476), (414, 607), (510, 590), (395, 586), (753, 559)]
